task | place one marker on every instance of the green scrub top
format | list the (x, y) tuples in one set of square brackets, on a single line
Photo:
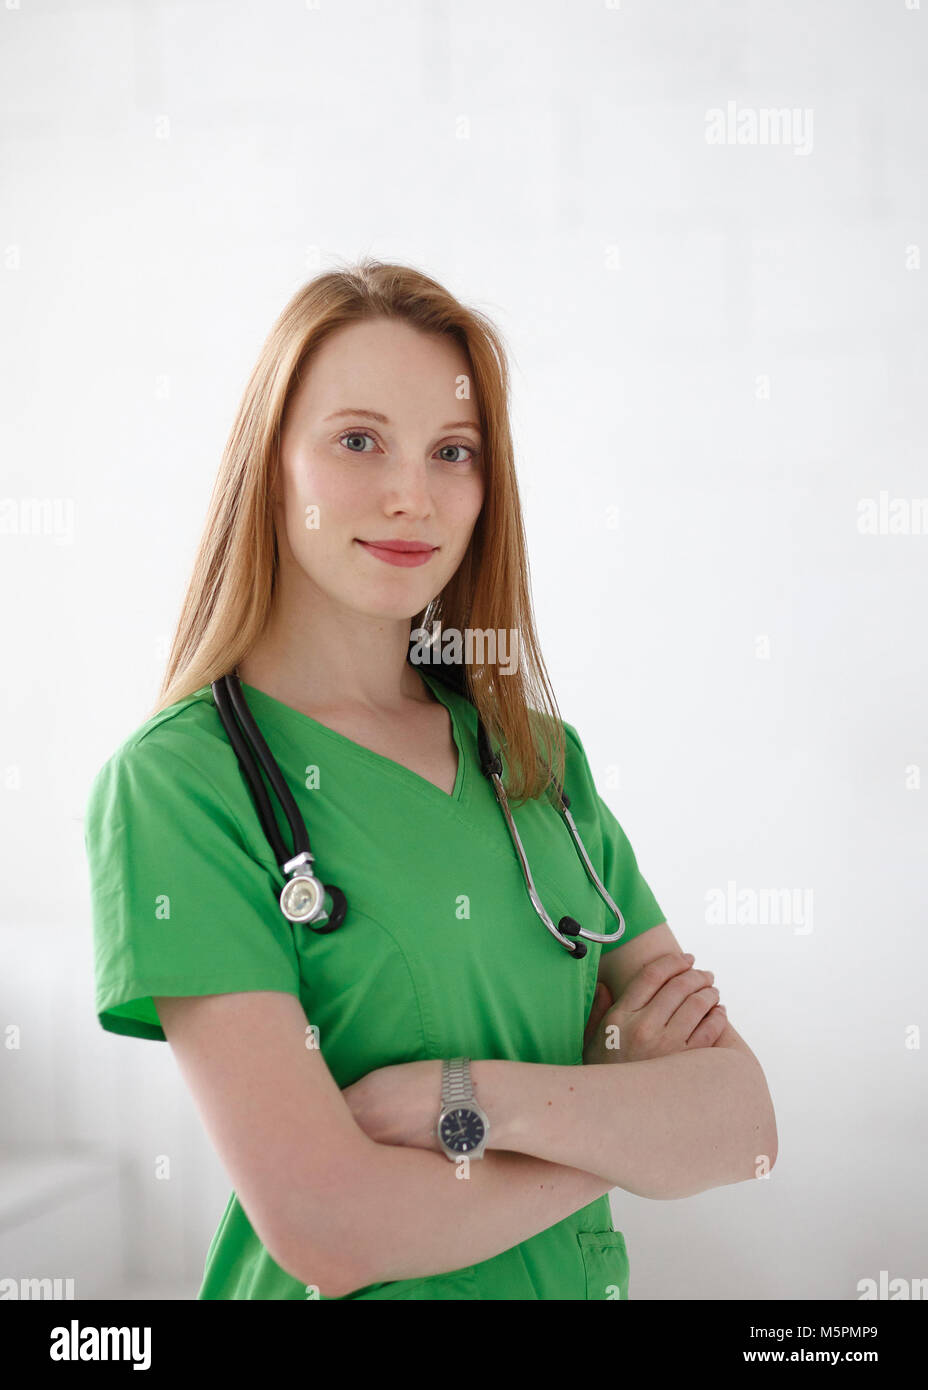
[(441, 953)]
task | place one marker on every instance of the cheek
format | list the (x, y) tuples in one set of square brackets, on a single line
[(320, 499), (467, 506), (474, 496)]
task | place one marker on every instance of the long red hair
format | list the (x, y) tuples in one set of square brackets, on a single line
[(231, 590)]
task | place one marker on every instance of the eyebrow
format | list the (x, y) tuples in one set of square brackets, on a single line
[(382, 419)]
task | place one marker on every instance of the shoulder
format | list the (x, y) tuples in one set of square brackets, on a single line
[(575, 758), (579, 784), (180, 746), (188, 722)]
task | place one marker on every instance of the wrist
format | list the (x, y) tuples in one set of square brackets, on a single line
[(489, 1092)]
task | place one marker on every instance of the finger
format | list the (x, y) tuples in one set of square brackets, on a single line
[(673, 994), (707, 1033), (644, 985), (691, 1013)]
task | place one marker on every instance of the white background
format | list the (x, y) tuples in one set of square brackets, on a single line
[(724, 342)]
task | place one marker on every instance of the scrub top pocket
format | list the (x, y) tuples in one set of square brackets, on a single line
[(605, 1262)]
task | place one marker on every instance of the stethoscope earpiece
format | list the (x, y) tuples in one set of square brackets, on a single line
[(491, 767), (569, 927)]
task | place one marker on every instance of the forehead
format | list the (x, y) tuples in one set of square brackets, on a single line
[(390, 367)]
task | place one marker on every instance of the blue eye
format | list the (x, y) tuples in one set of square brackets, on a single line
[(356, 434), (363, 434), (470, 449)]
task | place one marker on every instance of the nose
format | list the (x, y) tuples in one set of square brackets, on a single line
[(406, 488)]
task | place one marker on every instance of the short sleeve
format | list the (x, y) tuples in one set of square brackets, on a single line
[(621, 876), (179, 905)]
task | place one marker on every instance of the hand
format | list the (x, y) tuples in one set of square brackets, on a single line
[(602, 1003), (399, 1104), (666, 1007)]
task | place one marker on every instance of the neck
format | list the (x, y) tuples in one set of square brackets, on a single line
[(317, 656)]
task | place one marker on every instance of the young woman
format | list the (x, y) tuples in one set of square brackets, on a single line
[(368, 493)]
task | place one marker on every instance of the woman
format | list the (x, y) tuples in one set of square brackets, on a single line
[(376, 421)]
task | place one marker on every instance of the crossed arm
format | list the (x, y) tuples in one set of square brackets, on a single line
[(666, 1127)]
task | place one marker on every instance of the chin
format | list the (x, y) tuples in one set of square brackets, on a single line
[(380, 605)]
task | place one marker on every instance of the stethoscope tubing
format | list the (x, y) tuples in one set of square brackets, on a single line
[(240, 726), (231, 704)]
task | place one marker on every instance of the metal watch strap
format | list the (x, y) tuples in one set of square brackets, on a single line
[(456, 1085)]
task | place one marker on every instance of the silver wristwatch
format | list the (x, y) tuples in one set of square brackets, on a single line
[(463, 1127)]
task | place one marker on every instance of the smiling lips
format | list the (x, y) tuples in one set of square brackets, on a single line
[(403, 553)]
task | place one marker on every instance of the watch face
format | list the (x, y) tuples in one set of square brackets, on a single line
[(462, 1130)]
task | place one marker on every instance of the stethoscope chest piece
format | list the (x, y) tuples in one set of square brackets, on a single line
[(303, 897)]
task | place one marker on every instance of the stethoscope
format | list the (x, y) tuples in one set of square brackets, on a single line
[(322, 906)]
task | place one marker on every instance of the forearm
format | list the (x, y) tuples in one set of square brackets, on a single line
[(414, 1216), (668, 1127)]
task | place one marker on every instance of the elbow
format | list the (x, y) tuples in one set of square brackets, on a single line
[(318, 1237), (767, 1158), (773, 1145), (734, 1154), (764, 1140), (325, 1274), (763, 1147), (332, 1270)]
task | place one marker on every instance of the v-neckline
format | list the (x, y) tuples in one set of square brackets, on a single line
[(255, 696)]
